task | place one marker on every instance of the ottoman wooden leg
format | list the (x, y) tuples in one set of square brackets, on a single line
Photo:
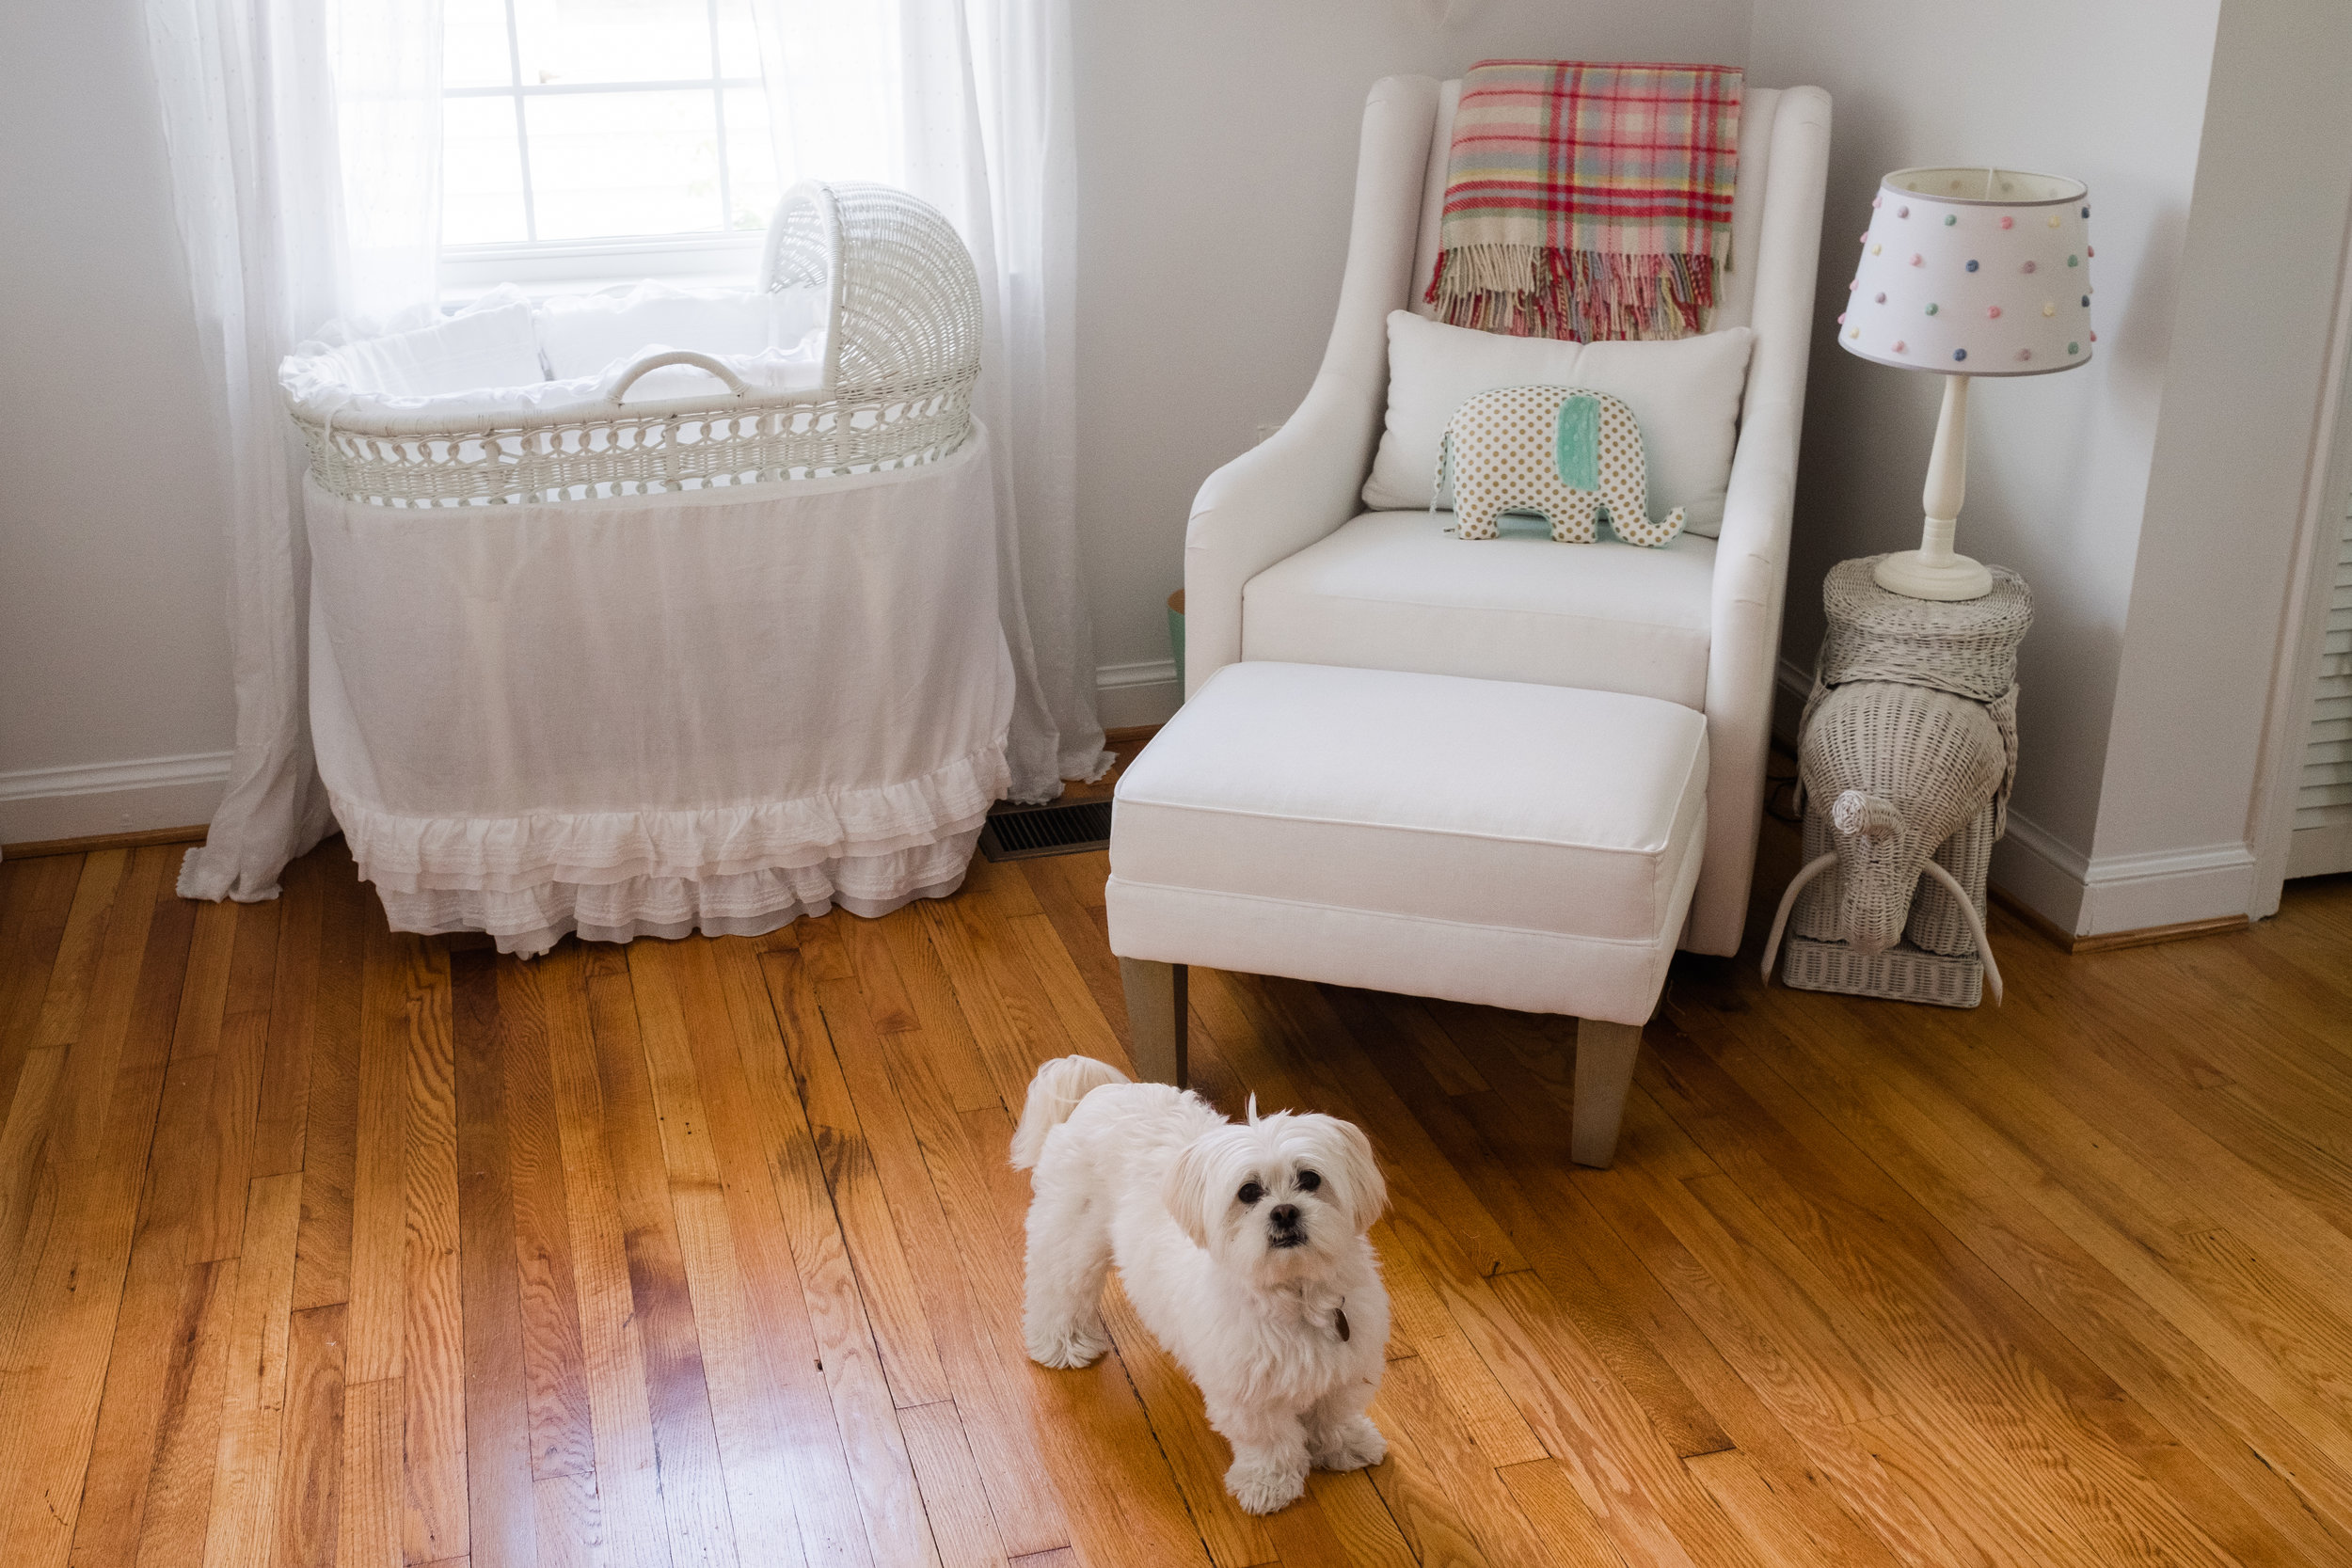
[(1155, 1020), (1604, 1071)]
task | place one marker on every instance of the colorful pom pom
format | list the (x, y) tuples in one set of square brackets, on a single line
[(1960, 353), (2008, 223), (1993, 311), (1930, 309)]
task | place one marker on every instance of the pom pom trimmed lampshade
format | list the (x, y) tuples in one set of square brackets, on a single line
[(1973, 271), (1967, 272)]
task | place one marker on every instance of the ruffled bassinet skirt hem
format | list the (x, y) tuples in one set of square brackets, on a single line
[(416, 854), (529, 921)]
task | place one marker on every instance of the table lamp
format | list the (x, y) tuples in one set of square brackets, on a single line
[(1967, 272)]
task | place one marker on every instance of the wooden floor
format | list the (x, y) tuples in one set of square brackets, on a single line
[(323, 1244)]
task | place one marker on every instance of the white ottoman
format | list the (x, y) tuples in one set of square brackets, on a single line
[(1528, 846)]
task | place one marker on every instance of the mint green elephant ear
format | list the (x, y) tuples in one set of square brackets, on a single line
[(1576, 450)]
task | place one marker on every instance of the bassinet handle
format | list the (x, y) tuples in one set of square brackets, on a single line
[(627, 377)]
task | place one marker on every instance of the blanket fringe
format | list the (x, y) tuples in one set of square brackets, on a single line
[(1586, 296)]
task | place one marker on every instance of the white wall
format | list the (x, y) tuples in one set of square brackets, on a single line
[(1216, 167), (2183, 798), (115, 704)]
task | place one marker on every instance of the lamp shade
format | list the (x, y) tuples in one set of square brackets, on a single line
[(1975, 272)]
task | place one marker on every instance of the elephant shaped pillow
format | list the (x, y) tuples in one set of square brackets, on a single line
[(1566, 454)]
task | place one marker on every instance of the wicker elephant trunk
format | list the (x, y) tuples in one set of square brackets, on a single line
[(1906, 755)]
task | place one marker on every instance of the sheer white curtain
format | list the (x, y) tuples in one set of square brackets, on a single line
[(304, 138), (967, 103)]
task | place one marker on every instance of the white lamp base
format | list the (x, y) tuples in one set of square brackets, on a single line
[(1915, 574)]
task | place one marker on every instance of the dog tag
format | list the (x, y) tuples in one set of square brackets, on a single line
[(1339, 1321)]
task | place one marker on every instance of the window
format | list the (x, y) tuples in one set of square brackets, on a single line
[(586, 141)]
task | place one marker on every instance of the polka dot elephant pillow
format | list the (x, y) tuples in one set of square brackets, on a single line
[(1567, 453)]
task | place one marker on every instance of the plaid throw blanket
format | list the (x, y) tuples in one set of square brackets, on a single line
[(1588, 201)]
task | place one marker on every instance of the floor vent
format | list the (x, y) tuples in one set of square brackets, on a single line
[(1058, 830)]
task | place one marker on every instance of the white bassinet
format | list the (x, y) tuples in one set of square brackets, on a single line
[(857, 352), (710, 661)]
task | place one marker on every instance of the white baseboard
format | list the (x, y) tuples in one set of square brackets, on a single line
[(41, 803), (1129, 695)]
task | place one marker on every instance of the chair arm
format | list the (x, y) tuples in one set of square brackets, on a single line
[(1752, 554), (1268, 504), (1304, 481)]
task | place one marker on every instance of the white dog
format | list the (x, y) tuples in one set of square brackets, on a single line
[(1242, 1245)]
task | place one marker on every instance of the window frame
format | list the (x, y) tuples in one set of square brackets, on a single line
[(716, 255)]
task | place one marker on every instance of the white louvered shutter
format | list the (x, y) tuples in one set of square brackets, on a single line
[(2323, 805)]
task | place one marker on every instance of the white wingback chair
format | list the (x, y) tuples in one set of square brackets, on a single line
[(1283, 561)]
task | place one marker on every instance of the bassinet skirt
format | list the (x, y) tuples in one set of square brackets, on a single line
[(716, 710)]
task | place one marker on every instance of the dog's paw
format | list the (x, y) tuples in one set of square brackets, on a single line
[(1066, 1345), (1352, 1445), (1264, 1485)]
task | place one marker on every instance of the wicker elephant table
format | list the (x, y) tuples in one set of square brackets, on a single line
[(1905, 758)]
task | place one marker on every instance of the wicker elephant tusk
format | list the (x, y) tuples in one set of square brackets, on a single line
[(1561, 452), (1904, 769)]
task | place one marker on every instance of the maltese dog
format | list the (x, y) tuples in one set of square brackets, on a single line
[(1242, 1246)]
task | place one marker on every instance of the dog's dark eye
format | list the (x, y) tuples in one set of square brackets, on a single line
[(1250, 1192), (1308, 1181)]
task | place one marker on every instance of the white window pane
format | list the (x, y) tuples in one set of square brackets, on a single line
[(623, 163), (571, 41), (751, 159), (739, 39), (482, 172), (474, 51)]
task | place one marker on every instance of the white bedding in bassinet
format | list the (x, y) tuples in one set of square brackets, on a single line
[(505, 355)]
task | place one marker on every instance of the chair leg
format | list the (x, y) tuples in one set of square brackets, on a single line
[(1604, 1071), (1155, 1019)]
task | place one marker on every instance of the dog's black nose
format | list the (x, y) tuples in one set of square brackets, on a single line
[(1284, 1215)]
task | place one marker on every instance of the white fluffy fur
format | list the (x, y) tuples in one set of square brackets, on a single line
[(1150, 1176)]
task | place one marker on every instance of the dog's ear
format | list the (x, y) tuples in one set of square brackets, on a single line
[(1363, 1190), (1186, 1192)]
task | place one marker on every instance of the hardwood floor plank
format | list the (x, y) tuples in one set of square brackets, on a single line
[(36, 902), (173, 1523), (1011, 1019), (283, 1101), (563, 1438), (435, 1515), (1558, 1515), (567, 1521), (694, 1488), (628, 1474), (845, 1342), (238, 1060), (730, 1020), (744, 1416), (961, 1522), (369, 1513), (329, 1112), (162, 1303), (987, 1374), (71, 1306), (501, 1508), (240, 1528), (308, 1500), (949, 1045)]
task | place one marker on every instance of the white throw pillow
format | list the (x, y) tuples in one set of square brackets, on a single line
[(1684, 391)]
